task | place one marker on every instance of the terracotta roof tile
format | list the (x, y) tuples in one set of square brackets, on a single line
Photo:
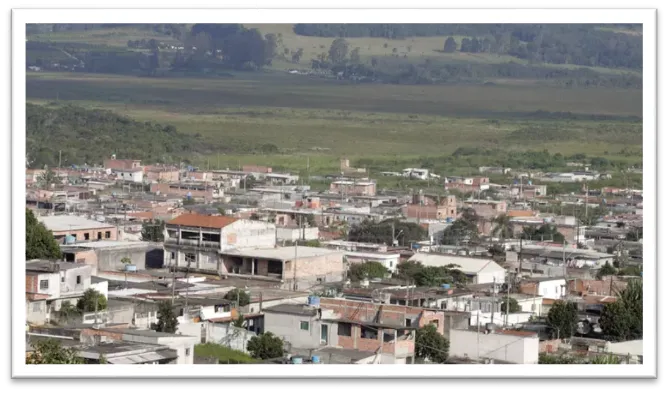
[(199, 220), (520, 213)]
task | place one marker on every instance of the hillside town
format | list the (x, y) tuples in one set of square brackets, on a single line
[(130, 262)]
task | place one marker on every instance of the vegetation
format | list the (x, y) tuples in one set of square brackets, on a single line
[(50, 351), (562, 319), (369, 270), (545, 232), (89, 136), (240, 297), (153, 231), (265, 346), (167, 321), (40, 243), (464, 230), (622, 320), (513, 306), (431, 345), (222, 354), (545, 358), (430, 276), (606, 270), (92, 300), (372, 232), (503, 227)]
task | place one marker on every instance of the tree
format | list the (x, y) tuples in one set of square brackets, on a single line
[(48, 179), (431, 345), (90, 300), (40, 243), (167, 321), (355, 56), (430, 276), (239, 322), (606, 359), (512, 305), (270, 46), (50, 351), (381, 232), (450, 45), (265, 346), (372, 269), (153, 231), (503, 227), (466, 45), (563, 319), (463, 230), (545, 232), (310, 220), (297, 55), (239, 296), (338, 51), (605, 270), (622, 320)]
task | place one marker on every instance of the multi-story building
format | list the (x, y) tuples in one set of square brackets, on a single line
[(71, 229), (50, 283), (353, 187), (195, 241), (467, 184), (120, 165)]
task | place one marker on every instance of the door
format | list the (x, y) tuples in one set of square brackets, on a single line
[(323, 334)]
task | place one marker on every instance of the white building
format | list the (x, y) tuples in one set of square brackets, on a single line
[(389, 260), (511, 346), (554, 288), (135, 175), (479, 270), (416, 173)]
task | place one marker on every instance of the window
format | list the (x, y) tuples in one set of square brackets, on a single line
[(99, 236), (390, 263), (190, 257), (43, 284), (408, 322), (389, 336), (86, 236), (303, 325), (345, 329), (187, 351), (173, 255), (78, 280), (62, 278), (369, 333), (107, 235)]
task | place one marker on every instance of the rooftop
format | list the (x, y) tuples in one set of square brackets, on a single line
[(39, 265), (142, 333), (198, 220), (352, 354), (71, 223), (294, 309), (283, 253), (464, 264), (100, 244)]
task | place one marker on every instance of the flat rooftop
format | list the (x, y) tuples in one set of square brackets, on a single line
[(352, 354), (71, 223), (283, 253), (101, 244), (293, 309), (39, 265)]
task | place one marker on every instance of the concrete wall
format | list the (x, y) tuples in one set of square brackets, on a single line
[(499, 318), (294, 234), (288, 327), (503, 347), (110, 259), (102, 287), (248, 234), (228, 335), (204, 260), (93, 234), (314, 270), (36, 312)]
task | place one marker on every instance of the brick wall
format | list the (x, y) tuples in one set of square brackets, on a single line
[(529, 288), (92, 234), (549, 346), (31, 283)]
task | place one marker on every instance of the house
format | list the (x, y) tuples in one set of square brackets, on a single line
[(194, 240), (294, 267), (494, 170), (183, 345), (120, 165), (71, 229), (106, 255), (480, 271), (425, 209), (389, 260), (190, 189), (53, 282), (162, 174), (134, 175), (491, 344), (548, 287), (416, 173), (353, 187), (486, 208), (466, 184)]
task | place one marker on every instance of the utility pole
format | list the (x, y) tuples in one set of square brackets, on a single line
[(520, 258), (507, 297), (493, 297), (294, 268), (60, 159)]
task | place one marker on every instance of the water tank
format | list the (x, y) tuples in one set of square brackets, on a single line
[(315, 359), (445, 286), (448, 220), (314, 301), (69, 239), (130, 268), (296, 360)]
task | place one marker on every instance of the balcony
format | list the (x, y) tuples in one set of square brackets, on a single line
[(193, 243)]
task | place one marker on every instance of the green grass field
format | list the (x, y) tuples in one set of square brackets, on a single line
[(322, 120)]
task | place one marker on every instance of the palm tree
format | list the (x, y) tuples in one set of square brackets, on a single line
[(503, 227)]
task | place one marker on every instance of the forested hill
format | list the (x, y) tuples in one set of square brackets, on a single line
[(614, 46), (88, 136)]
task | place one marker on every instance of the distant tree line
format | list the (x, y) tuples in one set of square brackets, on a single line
[(581, 44)]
